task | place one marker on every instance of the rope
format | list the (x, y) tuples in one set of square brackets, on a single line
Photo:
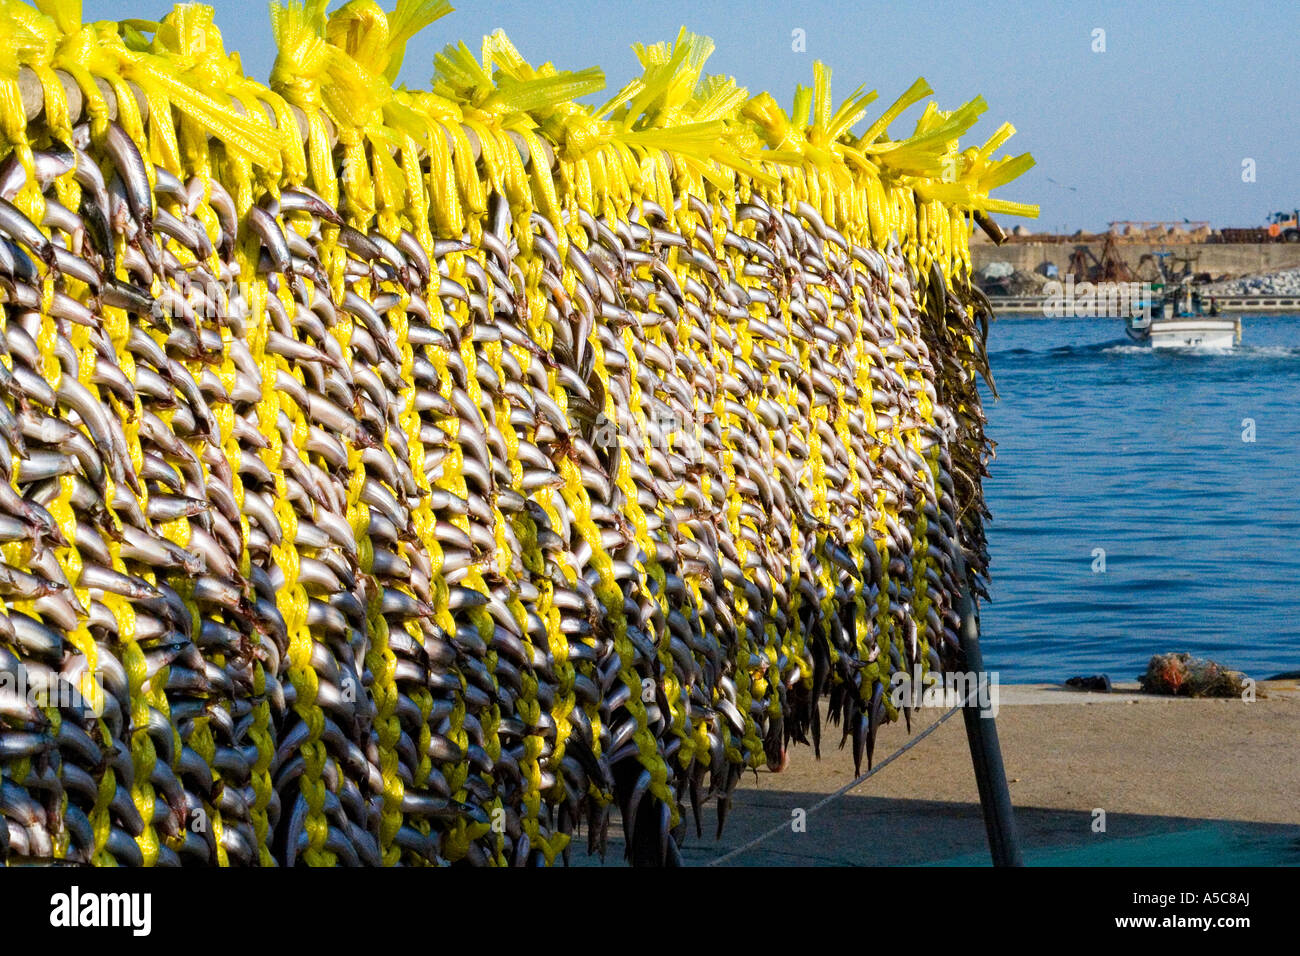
[(842, 790)]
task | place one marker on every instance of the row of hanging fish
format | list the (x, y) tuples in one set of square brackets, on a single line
[(337, 529)]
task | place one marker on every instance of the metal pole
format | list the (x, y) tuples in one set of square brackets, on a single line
[(982, 735)]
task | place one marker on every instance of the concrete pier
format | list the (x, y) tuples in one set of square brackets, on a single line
[(1177, 781)]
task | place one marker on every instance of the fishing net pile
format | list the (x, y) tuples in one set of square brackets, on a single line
[(418, 476)]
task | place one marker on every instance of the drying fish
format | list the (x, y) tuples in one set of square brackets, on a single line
[(429, 507)]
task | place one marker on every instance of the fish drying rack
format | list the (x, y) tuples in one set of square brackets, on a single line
[(341, 524)]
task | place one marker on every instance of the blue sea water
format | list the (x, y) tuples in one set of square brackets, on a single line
[(1102, 444)]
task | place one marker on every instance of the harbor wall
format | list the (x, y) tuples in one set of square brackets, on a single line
[(1215, 258), (1254, 304)]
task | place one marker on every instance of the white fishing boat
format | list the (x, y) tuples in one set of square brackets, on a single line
[(1193, 332), (1178, 321)]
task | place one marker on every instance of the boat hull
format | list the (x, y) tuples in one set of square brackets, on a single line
[(1193, 333)]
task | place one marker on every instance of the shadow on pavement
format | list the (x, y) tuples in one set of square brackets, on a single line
[(874, 831)]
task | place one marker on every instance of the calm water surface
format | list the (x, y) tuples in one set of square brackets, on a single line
[(1106, 445)]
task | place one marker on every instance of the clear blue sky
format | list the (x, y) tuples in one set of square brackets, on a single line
[(1155, 127)]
